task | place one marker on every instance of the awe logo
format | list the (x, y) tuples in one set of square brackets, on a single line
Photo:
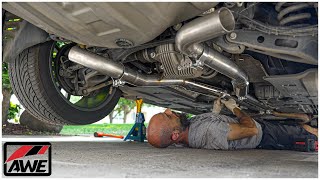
[(27, 159)]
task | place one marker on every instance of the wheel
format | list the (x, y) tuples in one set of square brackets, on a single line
[(36, 82)]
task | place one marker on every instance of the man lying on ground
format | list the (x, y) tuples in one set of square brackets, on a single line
[(215, 131)]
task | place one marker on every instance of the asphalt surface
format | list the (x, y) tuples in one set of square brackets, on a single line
[(108, 157)]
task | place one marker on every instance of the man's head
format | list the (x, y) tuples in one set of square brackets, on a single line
[(165, 128)]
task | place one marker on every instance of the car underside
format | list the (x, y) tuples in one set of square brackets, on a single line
[(177, 55)]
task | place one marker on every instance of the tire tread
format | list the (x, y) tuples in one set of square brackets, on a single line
[(28, 88)]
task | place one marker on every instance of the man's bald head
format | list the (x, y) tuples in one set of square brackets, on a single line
[(159, 131)]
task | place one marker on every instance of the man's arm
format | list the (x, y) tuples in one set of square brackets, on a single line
[(244, 119), (246, 126)]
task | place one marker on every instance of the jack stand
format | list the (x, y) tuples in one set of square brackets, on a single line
[(138, 131)]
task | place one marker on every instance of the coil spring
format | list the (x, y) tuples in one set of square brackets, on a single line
[(290, 8)]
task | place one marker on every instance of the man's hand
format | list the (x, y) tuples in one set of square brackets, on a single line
[(217, 106), (231, 104)]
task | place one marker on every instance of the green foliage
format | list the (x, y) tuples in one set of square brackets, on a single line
[(13, 110), (124, 105), (189, 115), (5, 76), (60, 44), (127, 105), (118, 129)]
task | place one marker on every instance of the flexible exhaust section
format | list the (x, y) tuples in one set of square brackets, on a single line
[(117, 71), (190, 36)]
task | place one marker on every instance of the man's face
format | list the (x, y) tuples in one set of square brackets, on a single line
[(171, 116), (165, 128), (176, 119)]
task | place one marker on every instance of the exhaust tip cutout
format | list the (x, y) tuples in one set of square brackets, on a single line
[(218, 23), (227, 19), (213, 25)]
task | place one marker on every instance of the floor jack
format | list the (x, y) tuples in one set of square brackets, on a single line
[(138, 131)]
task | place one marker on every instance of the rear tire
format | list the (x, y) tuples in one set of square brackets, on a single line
[(32, 83)]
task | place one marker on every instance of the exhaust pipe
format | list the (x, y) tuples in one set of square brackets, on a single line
[(188, 42), (190, 36), (117, 71)]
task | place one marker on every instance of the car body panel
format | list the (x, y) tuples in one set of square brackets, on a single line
[(111, 25)]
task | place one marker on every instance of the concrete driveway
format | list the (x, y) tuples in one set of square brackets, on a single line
[(114, 158)]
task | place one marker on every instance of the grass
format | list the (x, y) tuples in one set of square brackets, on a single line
[(118, 129)]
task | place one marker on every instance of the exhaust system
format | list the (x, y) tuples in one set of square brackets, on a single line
[(188, 41), (124, 74), (190, 36)]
